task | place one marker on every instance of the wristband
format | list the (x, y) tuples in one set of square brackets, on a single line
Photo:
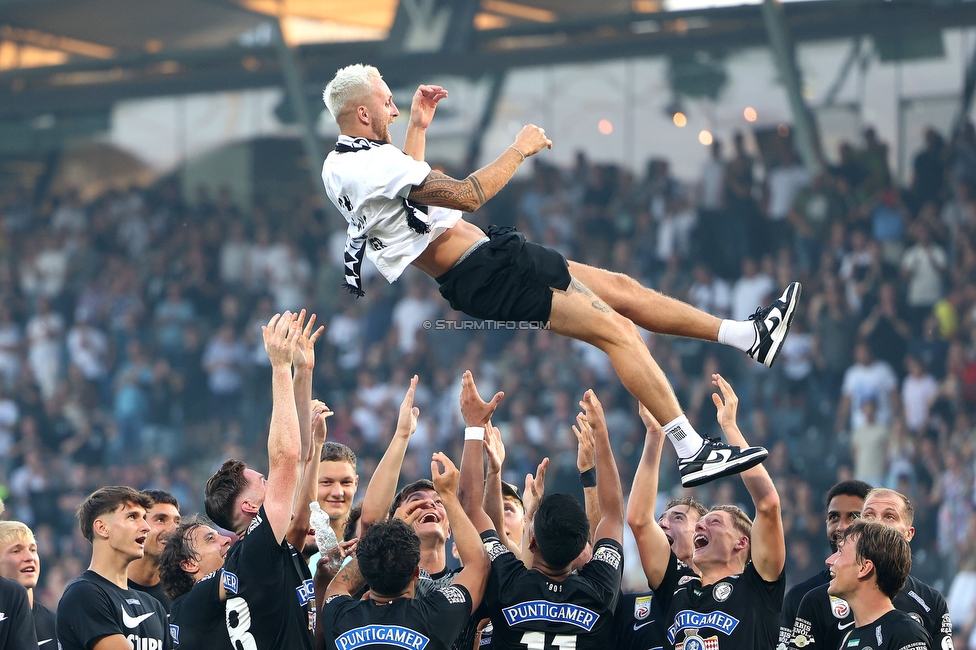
[(588, 478), (518, 152), (474, 433)]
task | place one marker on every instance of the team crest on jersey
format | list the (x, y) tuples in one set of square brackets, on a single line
[(229, 580), (839, 607), (642, 607), (174, 631), (401, 637), (722, 591), (685, 579), (543, 610), (695, 642), (915, 617)]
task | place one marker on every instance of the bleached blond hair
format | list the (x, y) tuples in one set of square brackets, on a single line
[(349, 84), (15, 531)]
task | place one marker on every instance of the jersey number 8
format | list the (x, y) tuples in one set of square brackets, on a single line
[(238, 619)]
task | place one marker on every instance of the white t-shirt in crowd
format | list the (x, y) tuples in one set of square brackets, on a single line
[(862, 383)]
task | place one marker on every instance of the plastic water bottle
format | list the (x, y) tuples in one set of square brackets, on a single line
[(325, 537)]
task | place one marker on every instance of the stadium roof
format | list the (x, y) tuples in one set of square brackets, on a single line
[(73, 56)]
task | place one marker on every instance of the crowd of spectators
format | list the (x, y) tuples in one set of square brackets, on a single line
[(130, 347)]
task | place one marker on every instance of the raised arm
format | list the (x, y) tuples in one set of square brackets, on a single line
[(608, 490), (586, 465), (768, 540), (382, 486), (422, 109), (494, 501), (284, 438), (308, 487), (476, 413), (535, 489), (652, 543), (304, 363), (471, 193), (474, 559)]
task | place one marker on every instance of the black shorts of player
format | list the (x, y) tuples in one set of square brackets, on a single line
[(506, 279)]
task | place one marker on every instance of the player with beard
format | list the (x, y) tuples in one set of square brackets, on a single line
[(401, 213), (99, 611), (395, 614), (867, 570), (638, 620), (736, 600), (164, 517), (19, 562), (270, 596), (823, 619), (549, 604), (844, 503)]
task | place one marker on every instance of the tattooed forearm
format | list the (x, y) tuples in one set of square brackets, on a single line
[(442, 190), (349, 580)]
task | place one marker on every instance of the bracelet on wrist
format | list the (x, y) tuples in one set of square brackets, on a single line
[(474, 433), (518, 152), (588, 478)]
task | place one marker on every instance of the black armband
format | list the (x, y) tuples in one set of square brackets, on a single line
[(588, 478)]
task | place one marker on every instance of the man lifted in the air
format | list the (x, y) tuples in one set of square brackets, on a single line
[(400, 212)]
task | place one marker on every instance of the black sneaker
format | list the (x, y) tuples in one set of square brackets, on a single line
[(773, 324), (717, 459)]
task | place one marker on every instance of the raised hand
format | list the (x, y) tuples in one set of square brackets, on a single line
[(494, 448), (320, 413), (726, 405), (423, 105), (531, 140), (445, 482), (594, 412), (407, 420), (535, 489), (476, 411), (280, 339), (412, 511), (305, 350), (585, 454)]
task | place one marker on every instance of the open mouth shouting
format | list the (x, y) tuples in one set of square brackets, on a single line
[(700, 541)]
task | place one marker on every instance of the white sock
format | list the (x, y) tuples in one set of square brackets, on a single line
[(737, 333), (683, 436)]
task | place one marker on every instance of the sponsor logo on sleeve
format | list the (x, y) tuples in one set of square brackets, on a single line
[(174, 631), (915, 616), (722, 591), (918, 599), (495, 549), (394, 635), (608, 555), (839, 607), (543, 610), (946, 625), (254, 524), (642, 607), (306, 592), (229, 580), (946, 643), (685, 579), (453, 595)]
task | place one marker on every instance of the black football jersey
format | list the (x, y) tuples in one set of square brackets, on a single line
[(16, 623), (431, 622), (791, 603), (638, 623), (157, 591), (528, 609), (45, 626), (823, 620), (895, 630), (740, 611), (197, 619), (270, 599), (93, 607)]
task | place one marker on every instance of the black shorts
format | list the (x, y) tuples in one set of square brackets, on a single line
[(506, 279)]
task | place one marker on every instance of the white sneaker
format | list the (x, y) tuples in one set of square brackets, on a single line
[(773, 324), (716, 459)]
